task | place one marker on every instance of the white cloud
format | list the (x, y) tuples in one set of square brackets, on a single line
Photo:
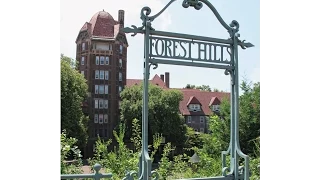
[(74, 13)]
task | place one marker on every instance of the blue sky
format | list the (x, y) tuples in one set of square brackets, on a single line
[(74, 13)]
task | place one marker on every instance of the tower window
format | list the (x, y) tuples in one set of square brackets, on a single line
[(120, 62), (83, 46), (121, 49), (120, 76), (82, 60)]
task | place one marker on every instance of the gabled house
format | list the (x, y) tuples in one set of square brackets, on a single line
[(196, 105)]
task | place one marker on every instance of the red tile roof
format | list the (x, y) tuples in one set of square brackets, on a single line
[(203, 97), (156, 80), (132, 82), (214, 101), (190, 96), (193, 100), (102, 25)]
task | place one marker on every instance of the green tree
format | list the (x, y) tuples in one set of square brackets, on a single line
[(164, 117), (193, 139), (249, 122), (202, 87), (217, 90), (189, 86), (73, 92)]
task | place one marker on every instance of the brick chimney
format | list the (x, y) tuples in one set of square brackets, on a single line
[(162, 77), (121, 18), (167, 79)]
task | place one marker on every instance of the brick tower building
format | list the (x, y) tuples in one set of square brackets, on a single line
[(102, 59)]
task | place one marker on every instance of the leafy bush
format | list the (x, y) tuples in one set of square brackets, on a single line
[(255, 163), (67, 148)]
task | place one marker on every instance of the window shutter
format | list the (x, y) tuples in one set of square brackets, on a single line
[(87, 45)]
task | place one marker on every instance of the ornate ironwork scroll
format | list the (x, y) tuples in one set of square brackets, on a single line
[(177, 49)]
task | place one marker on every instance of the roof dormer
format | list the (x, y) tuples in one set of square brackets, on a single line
[(194, 104), (214, 104)]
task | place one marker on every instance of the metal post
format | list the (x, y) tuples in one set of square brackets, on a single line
[(145, 155), (232, 117), (235, 111)]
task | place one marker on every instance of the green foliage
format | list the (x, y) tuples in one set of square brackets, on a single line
[(207, 146), (136, 135), (118, 161), (165, 164), (220, 137), (73, 92), (67, 147), (202, 87), (163, 112), (249, 116), (249, 122), (193, 139), (255, 162), (217, 90), (121, 159), (181, 167)]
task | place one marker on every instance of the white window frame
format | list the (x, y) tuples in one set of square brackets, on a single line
[(97, 60), (96, 118), (120, 89), (107, 60), (194, 107), (83, 46), (105, 118), (101, 74), (120, 76), (96, 89), (189, 119), (121, 48), (97, 74), (215, 107), (96, 103), (201, 119), (106, 89), (106, 75), (100, 118), (106, 104), (101, 89), (101, 103), (102, 58), (120, 62), (202, 130), (82, 60)]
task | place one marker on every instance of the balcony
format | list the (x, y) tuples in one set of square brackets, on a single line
[(102, 52)]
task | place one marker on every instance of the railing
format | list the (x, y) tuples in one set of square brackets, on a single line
[(97, 175), (102, 52)]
